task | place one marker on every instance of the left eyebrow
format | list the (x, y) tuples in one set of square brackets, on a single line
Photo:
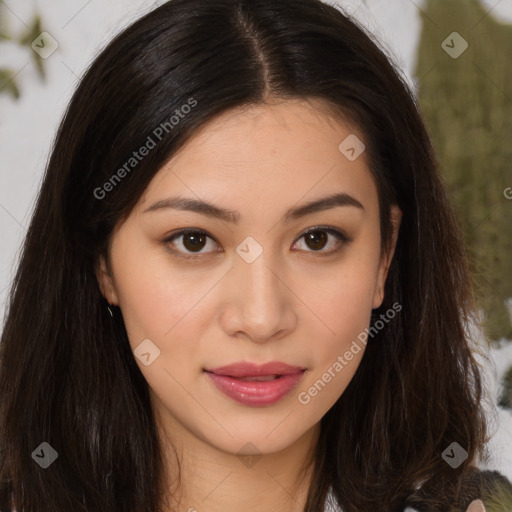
[(211, 210), (325, 203)]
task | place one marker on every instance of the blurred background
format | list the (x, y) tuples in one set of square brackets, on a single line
[(456, 56)]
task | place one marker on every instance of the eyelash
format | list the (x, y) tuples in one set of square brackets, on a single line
[(344, 239)]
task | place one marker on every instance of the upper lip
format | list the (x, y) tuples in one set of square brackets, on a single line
[(248, 369)]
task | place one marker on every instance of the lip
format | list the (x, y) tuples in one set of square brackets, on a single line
[(229, 380), (248, 369)]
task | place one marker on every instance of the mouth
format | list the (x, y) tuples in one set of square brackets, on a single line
[(248, 370), (256, 385), (263, 378)]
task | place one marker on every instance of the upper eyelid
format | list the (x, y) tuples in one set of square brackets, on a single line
[(336, 232), (204, 232)]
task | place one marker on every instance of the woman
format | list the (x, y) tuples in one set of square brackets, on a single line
[(243, 287)]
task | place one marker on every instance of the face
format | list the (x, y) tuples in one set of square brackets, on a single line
[(260, 277)]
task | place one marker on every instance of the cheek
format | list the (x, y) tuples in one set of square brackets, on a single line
[(342, 294), (336, 357), (344, 301), (153, 295), (345, 311), (162, 305)]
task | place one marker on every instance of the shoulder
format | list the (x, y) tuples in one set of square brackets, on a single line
[(331, 505), (493, 488)]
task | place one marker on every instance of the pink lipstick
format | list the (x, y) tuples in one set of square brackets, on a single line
[(256, 385)]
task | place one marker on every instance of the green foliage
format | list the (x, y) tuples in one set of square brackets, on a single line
[(34, 31), (505, 399), (8, 82), (467, 104)]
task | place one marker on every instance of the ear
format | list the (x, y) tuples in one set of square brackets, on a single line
[(106, 281), (385, 261)]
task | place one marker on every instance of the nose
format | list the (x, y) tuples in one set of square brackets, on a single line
[(259, 302)]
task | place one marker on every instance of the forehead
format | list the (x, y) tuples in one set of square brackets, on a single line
[(284, 151)]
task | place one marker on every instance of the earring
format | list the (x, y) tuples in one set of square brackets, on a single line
[(110, 311)]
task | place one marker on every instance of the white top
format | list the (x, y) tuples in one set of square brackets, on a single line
[(332, 506)]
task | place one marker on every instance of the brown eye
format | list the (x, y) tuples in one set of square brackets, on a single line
[(316, 239), (192, 242)]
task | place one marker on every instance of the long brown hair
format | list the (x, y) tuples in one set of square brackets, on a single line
[(67, 374)]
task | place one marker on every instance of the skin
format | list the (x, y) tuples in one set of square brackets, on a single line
[(290, 304)]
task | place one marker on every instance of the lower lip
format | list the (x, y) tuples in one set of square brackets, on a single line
[(256, 393)]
